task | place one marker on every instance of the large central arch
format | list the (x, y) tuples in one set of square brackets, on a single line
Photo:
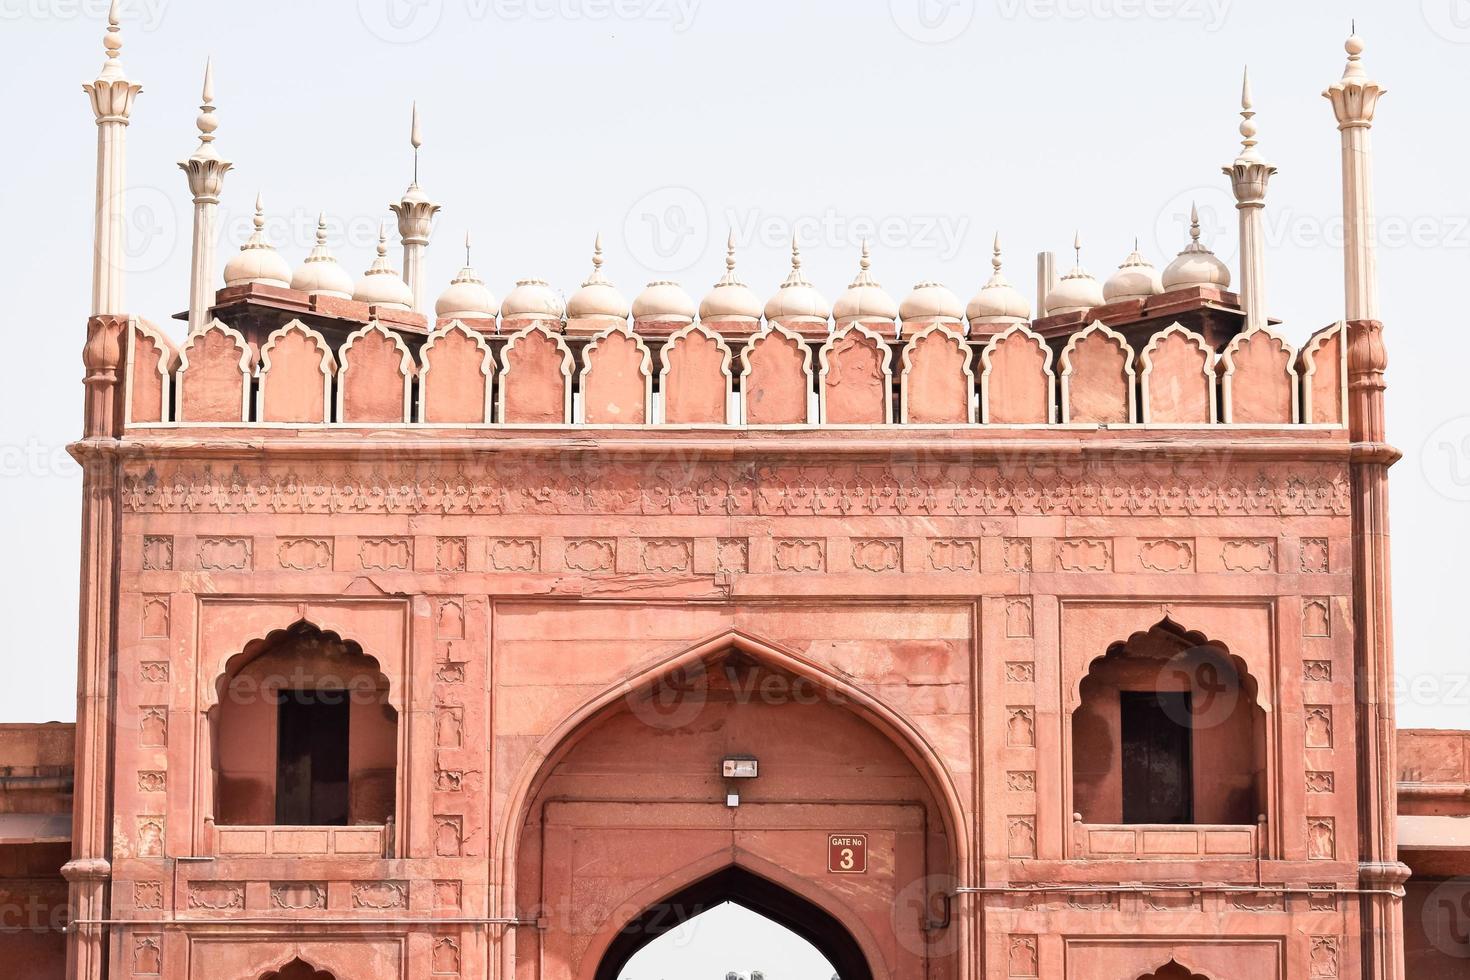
[(894, 912)]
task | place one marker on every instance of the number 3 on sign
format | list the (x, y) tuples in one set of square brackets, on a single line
[(847, 854)]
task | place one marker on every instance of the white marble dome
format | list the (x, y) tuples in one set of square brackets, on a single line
[(1136, 278)]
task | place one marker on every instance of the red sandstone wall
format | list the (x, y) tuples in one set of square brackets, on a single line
[(965, 593)]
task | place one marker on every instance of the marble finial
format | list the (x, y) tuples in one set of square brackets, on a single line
[(112, 44), (995, 255), (207, 123), (415, 133), (466, 248), (795, 278), (1248, 128), (730, 278)]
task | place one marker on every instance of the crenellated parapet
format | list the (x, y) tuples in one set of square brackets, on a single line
[(467, 374)]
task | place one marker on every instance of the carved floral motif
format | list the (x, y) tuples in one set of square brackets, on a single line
[(877, 554), (600, 486), (954, 554), (800, 555)]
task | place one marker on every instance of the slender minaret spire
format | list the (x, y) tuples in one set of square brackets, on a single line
[(1381, 875), (415, 222), (1354, 99), (1249, 175), (206, 173), (112, 95)]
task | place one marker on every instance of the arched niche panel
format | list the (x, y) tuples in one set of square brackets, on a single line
[(617, 379), (535, 377), (321, 671), (214, 376), (1323, 371), (1178, 378), (375, 383), (1226, 724), (455, 380), (1097, 377), (855, 383), (227, 626), (775, 378), (1017, 386), (695, 378), (296, 369), (1259, 381), (152, 358), (298, 969), (936, 382)]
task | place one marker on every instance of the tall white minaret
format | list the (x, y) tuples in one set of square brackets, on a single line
[(415, 221), (1354, 98), (206, 173), (1249, 175), (112, 95)]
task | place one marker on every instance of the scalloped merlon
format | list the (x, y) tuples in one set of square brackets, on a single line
[(775, 378), (1177, 378), (296, 369), (936, 379), (375, 383), (214, 376), (454, 380), (152, 359), (617, 379), (535, 377), (855, 382), (1323, 372), (695, 377), (1259, 380), (1097, 377), (1017, 386)]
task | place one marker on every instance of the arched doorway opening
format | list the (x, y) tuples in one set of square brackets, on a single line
[(1173, 971), (298, 969), (639, 795), (739, 887)]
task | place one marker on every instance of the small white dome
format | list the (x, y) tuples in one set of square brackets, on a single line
[(257, 261), (1077, 291), (531, 299), (1136, 278), (381, 285), (798, 300), (997, 302), (931, 301), (1196, 265), (864, 298), (730, 299), (597, 297), (320, 274), (467, 298), (664, 299)]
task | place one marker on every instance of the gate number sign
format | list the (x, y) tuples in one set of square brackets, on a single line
[(847, 854)]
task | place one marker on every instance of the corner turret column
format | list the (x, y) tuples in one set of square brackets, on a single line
[(112, 97), (1354, 98)]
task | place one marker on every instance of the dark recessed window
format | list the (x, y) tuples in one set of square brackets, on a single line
[(1158, 765), (311, 758)]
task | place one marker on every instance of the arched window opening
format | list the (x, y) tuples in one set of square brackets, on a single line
[(298, 969), (1168, 731), (734, 922), (305, 735)]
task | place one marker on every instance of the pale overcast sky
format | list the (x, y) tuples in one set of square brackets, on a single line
[(925, 124)]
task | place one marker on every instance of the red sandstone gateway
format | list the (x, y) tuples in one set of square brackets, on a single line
[(964, 643)]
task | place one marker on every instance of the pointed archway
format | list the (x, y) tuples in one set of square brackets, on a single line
[(754, 892), (626, 803)]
